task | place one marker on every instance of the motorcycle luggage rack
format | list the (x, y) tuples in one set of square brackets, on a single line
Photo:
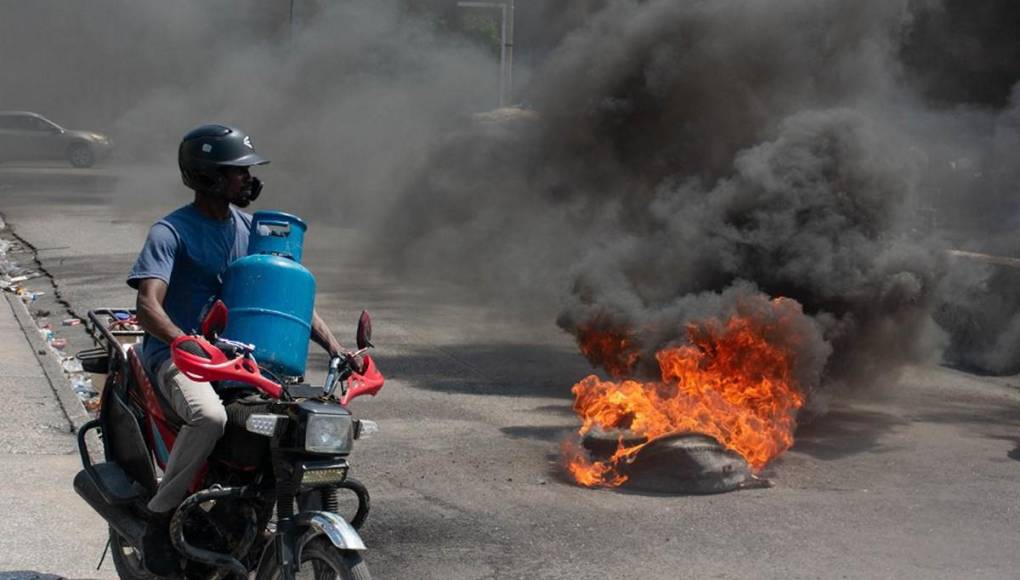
[(116, 339)]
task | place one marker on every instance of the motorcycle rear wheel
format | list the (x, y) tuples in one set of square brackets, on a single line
[(127, 560), (321, 560)]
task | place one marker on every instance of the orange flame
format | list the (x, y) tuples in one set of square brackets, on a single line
[(613, 350), (729, 383)]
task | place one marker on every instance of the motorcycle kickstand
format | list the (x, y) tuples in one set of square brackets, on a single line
[(105, 551)]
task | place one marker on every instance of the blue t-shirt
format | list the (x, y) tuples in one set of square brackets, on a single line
[(189, 251)]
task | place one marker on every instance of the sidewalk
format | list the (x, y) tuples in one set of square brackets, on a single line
[(46, 529)]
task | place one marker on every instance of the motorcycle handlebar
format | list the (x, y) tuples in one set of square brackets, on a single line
[(210, 363), (216, 366), (333, 376), (366, 382)]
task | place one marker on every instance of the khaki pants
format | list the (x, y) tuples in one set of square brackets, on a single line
[(204, 420)]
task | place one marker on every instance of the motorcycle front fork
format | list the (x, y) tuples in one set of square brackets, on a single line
[(286, 547), (287, 532)]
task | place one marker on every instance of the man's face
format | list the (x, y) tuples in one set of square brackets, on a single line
[(239, 182)]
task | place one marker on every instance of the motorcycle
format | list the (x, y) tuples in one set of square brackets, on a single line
[(268, 500)]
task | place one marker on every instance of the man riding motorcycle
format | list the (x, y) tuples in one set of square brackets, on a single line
[(176, 275)]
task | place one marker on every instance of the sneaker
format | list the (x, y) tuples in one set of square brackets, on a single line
[(158, 553)]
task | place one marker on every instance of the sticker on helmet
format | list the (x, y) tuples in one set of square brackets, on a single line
[(247, 141), (206, 147)]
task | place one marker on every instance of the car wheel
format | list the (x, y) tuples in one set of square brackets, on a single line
[(80, 155)]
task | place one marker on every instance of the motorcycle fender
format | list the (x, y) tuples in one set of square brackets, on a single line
[(334, 527)]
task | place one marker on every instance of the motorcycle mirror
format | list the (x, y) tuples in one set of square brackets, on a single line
[(215, 320), (364, 336)]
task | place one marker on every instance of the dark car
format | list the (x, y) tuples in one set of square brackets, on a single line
[(27, 136)]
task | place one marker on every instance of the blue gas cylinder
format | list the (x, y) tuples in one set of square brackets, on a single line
[(278, 233), (271, 296)]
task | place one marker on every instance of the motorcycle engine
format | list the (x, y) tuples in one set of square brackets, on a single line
[(239, 448)]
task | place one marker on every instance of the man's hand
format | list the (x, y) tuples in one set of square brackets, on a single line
[(358, 362), (191, 347)]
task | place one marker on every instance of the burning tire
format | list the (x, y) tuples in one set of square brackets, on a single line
[(682, 463)]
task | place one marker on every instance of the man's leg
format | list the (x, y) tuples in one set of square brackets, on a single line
[(204, 421)]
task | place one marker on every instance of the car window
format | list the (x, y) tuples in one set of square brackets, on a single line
[(20, 123), (37, 124), (25, 123)]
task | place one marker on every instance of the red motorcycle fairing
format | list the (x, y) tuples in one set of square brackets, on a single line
[(217, 367), (159, 432), (215, 320), (160, 429), (366, 383)]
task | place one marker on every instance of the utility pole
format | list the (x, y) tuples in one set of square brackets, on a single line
[(508, 48), (290, 26), (506, 45)]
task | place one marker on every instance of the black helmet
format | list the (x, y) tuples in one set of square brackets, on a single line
[(208, 148)]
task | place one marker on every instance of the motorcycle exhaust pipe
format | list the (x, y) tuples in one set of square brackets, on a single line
[(225, 563), (120, 518)]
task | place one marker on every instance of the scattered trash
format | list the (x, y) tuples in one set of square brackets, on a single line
[(11, 277), (71, 365), (27, 296), (17, 279), (83, 387), (125, 327)]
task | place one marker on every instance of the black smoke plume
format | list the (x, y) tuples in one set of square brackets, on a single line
[(670, 151), (679, 151)]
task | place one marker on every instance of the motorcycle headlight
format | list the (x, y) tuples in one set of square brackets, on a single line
[(329, 434)]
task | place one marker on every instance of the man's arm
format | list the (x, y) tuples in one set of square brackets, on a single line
[(151, 316), (324, 337)]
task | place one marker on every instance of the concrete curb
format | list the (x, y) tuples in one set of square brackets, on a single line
[(69, 401)]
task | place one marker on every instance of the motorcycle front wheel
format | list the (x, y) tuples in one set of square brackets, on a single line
[(321, 560)]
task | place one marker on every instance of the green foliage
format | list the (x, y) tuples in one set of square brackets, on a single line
[(482, 26)]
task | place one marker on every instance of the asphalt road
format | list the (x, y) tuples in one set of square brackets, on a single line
[(915, 477)]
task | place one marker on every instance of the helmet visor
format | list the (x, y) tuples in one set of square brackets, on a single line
[(246, 160)]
